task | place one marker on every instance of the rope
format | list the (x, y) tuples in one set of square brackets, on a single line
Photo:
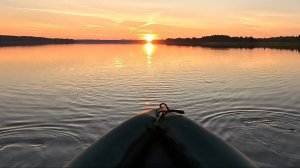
[(164, 110)]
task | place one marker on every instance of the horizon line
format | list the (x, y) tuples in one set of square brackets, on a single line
[(144, 40)]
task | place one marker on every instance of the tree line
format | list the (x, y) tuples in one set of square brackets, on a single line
[(226, 38), (224, 41), (6, 40)]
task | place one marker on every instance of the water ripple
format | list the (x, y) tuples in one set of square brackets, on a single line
[(51, 109)]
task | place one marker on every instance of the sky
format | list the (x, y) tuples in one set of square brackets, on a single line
[(133, 19)]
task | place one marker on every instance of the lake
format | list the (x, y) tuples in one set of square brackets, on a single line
[(56, 100)]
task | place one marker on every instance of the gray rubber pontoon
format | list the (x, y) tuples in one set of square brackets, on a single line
[(160, 139)]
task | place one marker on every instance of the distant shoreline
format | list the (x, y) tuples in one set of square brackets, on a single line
[(224, 41), (246, 45), (215, 41), (110, 42), (6, 41)]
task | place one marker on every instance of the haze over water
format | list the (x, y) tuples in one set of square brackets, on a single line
[(56, 100)]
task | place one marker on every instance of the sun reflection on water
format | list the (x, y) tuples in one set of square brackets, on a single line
[(149, 49)]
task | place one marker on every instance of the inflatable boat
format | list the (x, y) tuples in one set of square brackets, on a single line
[(160, 138)]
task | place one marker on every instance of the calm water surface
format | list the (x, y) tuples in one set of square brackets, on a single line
[(56, 100)]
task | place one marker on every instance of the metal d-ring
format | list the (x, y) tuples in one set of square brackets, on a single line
[(162, 105)]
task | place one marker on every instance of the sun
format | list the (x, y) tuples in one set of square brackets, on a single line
[(149, 38)]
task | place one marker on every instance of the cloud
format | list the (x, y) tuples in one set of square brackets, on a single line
[(83, 14)]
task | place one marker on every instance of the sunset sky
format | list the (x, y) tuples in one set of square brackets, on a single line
[(132, 19)]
